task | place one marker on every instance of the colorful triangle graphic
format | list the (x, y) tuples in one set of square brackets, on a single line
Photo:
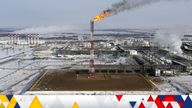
[(150, 99), (132, 103), (36, 103), (75, 105), (187, 103), (4, 98), (12, 103), (169, 105), (2, 106), (119, 97), (141, 105)]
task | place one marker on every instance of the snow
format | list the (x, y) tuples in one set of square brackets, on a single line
[(167, 89), (183, 82), (14, 78), (18, 71), (179, 85), (23, 85)]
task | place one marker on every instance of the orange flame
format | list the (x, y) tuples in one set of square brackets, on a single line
[(102, 15)]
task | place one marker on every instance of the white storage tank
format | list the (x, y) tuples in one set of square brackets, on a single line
[(133, 52), (168, 72), (157, 72)]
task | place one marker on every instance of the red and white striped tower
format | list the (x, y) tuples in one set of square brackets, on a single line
[(14, 38), (34, 38), (91, 61), (29, 39), (12, 35), (17, 38), (10, 38), (37, 39)]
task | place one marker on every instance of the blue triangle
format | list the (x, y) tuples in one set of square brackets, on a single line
[(187, 103), (161, 97), (9, 97), (132, 103), (17, 105), (178, 98)]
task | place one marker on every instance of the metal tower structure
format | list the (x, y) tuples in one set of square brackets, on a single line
[(91, 61)]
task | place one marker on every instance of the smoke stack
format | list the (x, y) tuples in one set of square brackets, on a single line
[(31, 38), (18, 38), (10, 39), (28, 39), (91, 61), (92, 26), (37, 38)]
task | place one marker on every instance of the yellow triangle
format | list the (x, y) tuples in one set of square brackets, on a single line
[(75, 105), (36, 103), (3, 98), (2, 106), (12, 103)]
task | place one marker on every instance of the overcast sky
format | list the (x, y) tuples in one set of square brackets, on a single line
[(78, 13)]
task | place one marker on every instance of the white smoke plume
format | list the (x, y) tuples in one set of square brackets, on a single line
[(171, 38), (47, 29)]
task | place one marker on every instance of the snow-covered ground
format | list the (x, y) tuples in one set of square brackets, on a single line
[(9, 51), (18, 71), (14, 77), (183, 82), (15, 71), (180, 84), (168, 89)]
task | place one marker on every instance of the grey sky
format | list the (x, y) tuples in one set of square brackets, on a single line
[(79, 12)]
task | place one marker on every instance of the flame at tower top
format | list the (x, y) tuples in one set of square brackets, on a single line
[(122, 6), (101, 16)]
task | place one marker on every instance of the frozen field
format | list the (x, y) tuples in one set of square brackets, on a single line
[(183, 82), (17, 74)]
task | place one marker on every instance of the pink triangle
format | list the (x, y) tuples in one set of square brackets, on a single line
[(119, 97)]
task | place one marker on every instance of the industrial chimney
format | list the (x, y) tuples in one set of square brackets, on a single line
[(91, 61)]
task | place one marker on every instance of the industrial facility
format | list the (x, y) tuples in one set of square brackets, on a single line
[(106, 63)]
